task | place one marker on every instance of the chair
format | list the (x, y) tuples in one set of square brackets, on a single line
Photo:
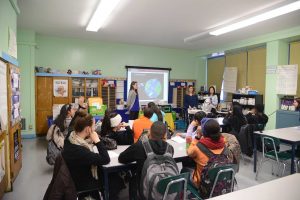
[(174, 184), (279, 156), (217, 174), (222, 173)]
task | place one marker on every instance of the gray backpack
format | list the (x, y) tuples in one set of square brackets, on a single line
[(155, 168), (52, 150)]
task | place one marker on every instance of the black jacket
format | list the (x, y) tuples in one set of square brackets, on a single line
[(137, 153), (61, 186), (257, 118), (235, 123), (79, 161), (245, 138), (122, 137)]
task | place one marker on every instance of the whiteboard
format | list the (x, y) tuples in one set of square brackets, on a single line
[(3, 96), (229, 79), (287, 77)]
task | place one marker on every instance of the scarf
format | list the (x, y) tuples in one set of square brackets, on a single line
[(209, 143), (75, 139)]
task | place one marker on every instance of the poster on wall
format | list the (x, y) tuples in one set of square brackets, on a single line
[(2, 161), (287, 77), (12, 43), (3, 97), (60, 88), (229, 79), (15, 95), (16, 146)]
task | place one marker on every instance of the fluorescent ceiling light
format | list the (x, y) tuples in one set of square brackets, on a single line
[(259, 18), (101, 14)]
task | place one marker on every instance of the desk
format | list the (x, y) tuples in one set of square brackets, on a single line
[(115, 166), (282, 188), (289, 135)]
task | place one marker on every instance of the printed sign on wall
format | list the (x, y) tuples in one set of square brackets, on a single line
[(60, 88)]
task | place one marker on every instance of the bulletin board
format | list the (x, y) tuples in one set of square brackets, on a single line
[(3, 97), (175, 83)]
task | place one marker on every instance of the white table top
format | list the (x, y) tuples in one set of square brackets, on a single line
[(282, 188), (194, 111), (290, 134), (219, 120), (179, 152)]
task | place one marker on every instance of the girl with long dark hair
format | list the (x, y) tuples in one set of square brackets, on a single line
[(158, 115), (133, 104), (59, 129), (236, 119)]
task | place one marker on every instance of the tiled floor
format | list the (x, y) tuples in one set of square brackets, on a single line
[(36, 174)]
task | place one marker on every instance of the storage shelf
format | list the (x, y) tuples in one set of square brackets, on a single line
[(67, 75)]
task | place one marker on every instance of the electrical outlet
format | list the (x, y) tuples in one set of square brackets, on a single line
[(30, 126)]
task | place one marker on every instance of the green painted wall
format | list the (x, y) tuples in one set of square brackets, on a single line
[(277, 54), (67, 53), (8, 19), (26, 57)]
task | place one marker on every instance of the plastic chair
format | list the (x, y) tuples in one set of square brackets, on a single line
[(217, 174), (89, 191), (222, 173), (279, 156), (174, 184)]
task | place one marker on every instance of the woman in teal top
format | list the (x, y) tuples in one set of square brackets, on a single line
[(158, 115)]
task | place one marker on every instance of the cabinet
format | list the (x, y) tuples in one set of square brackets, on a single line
[(109, 96), (181, 91), (248, 101), (87, 87), (285, 118), (14, 117), (77, 85)]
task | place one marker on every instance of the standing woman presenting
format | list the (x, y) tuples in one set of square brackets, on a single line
[(133, 104), (213, 97), (190, 101)]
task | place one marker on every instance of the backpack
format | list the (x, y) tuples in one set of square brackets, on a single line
[(52, 150), (214, 160), (155, 168)]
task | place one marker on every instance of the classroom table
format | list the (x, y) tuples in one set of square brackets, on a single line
[(289, 135), (115, 166), (281, 188)]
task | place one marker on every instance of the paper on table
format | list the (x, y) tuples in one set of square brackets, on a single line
[(130, 122), (112, 154), (178, 139)]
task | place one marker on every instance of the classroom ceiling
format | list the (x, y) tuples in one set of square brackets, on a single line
[(162, 23)]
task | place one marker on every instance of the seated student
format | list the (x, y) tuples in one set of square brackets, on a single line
[(142, 123), (59, 129), (81, 104), (257, 115), (296, 103), (212, 139), (111, 125), (136, 152), (194, 125), (158, 115), (80, 158), (235, 119)]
